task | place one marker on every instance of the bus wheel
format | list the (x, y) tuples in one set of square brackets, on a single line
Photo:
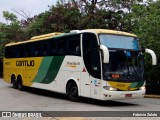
[(19, 83), (72, 92), (14, 82)]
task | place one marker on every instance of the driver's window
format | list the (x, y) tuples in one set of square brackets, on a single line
[(91, 57)]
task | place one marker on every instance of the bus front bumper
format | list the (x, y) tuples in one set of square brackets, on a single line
[(117, 95)]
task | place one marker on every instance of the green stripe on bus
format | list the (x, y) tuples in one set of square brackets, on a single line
[(43, 69), (140, 84), (53, 69), (133, 85), (136, 84), (49, 69)]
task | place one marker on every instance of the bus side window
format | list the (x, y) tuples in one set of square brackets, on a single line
[(36, 49), (61, 46), (21, 50), (18, 51), (45, 48), (13, 52), (73, 45), (7, 52), (53, 47), (27, 50)]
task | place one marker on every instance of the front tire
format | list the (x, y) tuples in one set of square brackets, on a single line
[(72, 92)]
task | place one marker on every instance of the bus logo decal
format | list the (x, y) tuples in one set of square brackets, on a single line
[(25, 63), (72, 64)]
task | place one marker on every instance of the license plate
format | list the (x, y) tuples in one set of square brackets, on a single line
[(128, 95)]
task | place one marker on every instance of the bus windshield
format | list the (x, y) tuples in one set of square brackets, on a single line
[(119, 42), (124, 66), (126, 61)]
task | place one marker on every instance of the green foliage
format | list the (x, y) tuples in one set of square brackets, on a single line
[(10, 32), (83, 14), (9, 16), (37, 26), (146, 26)]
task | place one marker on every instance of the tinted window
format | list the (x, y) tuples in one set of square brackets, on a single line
[(89, 42), (20, 50), (91, 56), (53, 47), (45, 48), (14, 51), (36, 49), (61, 46), (69, 45), (27, 50), (73, 45), (95, 64)]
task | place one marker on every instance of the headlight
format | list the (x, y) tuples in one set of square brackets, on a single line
[(109, 88), (142, 88)]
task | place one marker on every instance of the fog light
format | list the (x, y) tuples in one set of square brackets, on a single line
[(109, 88)]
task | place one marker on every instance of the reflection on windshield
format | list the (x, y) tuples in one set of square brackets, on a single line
[(124, 65), (117, 41)]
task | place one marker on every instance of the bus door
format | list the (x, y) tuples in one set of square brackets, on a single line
[(91, 74), (95, 74)]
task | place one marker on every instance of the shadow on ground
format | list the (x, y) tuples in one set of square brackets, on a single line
[(51, 94)]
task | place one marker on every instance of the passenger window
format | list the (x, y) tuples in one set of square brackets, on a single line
[(45, 48), (20, 49), (27, 50), (73, 45), (36, 49), (61, 46), (7, 52)]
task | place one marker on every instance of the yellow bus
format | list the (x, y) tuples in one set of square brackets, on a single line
[(95, 63)]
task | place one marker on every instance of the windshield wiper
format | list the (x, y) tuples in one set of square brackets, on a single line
[(135, 73)]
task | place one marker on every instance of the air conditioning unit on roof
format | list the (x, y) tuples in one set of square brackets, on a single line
[(75, 31)]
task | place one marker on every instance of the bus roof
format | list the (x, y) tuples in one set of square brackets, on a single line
[(107, 31), (37, 38), (58, 34)]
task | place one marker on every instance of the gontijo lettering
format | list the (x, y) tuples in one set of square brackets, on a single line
[(25, 63)]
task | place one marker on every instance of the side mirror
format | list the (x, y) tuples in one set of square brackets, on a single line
[(105, 53), (154, 58)]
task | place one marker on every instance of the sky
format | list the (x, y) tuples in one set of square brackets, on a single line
[(31, 7)]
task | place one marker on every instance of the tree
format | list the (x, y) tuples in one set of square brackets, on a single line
[(61, 17), (9, 16), (10, 32)]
